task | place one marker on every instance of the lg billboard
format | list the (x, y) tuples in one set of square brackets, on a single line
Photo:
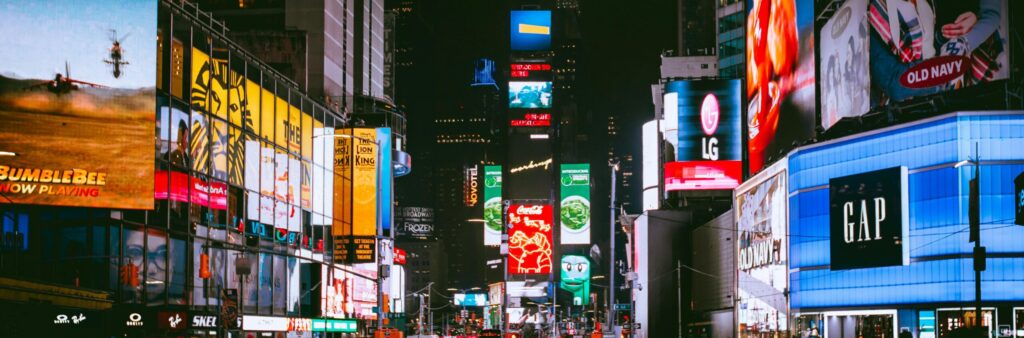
[(710, 149)]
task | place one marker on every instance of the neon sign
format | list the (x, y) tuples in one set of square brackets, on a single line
[(532, 120)]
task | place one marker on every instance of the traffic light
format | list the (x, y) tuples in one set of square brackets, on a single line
[(974, 209), (204, 266)]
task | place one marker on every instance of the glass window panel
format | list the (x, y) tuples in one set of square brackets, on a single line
[(157, 267), (266, 280), (199, 143), (134, 250), (219, 150), (280, 285), (176, 268), (179, 137)]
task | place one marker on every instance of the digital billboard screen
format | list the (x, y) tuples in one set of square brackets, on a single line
[(492, 205), (875, 53), (530, 71), (780, 77), (529, 94), (529, 239), (574, 209), (470, 299), (869, 219), (530, 30), (702, 175), (78, 103), (575, 278)]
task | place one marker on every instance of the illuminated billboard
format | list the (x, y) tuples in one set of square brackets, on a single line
[(355, 195), (530, 71), (710, 145), (575, 278), (529, 239), (78, 103), (702, 175), (529, 118), (531, 30), (762, 252), (492, 205), (874, 54), (529, 94), (531, 167), (574, 209), (470, 299), (780, 77)]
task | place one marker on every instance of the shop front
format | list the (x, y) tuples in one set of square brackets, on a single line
[(879, 241)]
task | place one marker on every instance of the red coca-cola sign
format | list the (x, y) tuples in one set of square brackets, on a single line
[(935, 71), (529, 240)]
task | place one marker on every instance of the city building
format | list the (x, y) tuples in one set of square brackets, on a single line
[(732, 18), (234, 234)]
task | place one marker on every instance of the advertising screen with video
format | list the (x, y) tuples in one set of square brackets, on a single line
[(78, 103), (529, 94)]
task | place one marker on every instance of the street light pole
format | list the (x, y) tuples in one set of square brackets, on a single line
[(613, 166)]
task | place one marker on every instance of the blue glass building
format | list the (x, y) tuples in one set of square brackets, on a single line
[(934, 293)]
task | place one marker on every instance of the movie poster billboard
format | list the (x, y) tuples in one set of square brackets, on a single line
[(78, 103), (875, 53), (492, 205), (762, 252), (780, 77), (355, 191), (574, 209), (529, 239)]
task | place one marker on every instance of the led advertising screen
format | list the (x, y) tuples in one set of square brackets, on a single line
[(531, 30), (780, 77), (492, 205), (869, 219), (703, 175), (529, 239), (709, 134), (875, 52), (529, 94), (531, 167), (762, 252), (1018, 204), (529, 118), (575, 278), (470, 299), (78, 103), (574, 210), (530, 71)]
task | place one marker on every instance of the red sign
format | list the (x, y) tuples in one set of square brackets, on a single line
[(522, 70), (532, 120), (399, 256), (212, 195), (703, 175), (935, 71), (172, 321), (529, 240)]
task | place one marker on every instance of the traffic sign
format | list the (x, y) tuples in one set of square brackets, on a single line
[(622, 307)]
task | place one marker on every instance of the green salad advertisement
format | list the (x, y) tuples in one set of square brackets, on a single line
[(575, 206), (492, 205)]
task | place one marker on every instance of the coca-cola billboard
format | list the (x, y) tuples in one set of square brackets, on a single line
[(529, 239)]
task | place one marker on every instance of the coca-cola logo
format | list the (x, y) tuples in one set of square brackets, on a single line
[(709, 114), (935, 71), (530, 209)]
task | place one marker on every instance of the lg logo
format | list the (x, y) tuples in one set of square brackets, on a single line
[(709, 123)]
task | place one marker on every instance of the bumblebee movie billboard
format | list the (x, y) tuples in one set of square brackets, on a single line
[(77, 102)]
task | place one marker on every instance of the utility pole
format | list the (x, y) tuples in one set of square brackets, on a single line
[(974, 220), (613, 167), (419, 332), (679, 294)]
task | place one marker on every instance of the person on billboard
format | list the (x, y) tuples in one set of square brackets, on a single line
[(908, 32), (154, 266), (179, 155)]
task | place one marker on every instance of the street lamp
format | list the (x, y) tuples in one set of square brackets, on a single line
[(383, 269), (614, 167)]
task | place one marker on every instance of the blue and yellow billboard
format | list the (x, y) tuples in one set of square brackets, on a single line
[(531, 30)]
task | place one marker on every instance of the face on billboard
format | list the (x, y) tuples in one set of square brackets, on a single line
[(531, 30), (780, 77), (529, 94), (77, 102), (575, 278), (529, 240), (875, 52)]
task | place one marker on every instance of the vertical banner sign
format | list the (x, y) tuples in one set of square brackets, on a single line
[(492, 205), (364, 184), (342, 225), (574, 211), (384, 182), (529, 240)]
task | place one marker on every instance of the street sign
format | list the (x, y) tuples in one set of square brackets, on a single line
[(622, 307)]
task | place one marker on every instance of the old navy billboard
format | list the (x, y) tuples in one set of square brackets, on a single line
[(868, 219), (877, 52), (78, 103), (710, 148)]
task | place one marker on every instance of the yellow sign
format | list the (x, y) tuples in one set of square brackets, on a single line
[(364, 181), (342, 184)]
